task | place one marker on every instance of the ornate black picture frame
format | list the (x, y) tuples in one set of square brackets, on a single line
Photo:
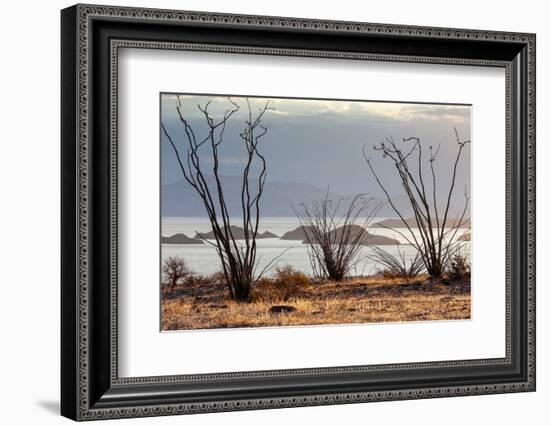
[(91, 36)]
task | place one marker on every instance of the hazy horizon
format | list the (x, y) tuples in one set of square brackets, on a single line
[(320, 143)]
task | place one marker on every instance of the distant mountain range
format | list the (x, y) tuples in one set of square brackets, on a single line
[(178, 199)]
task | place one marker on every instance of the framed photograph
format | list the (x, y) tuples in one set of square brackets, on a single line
[(263, 212)]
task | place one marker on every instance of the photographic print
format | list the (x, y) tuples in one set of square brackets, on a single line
[(293, 211)]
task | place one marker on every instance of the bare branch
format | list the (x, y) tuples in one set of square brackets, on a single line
[(334, 242), (434, 237), (238, 258)]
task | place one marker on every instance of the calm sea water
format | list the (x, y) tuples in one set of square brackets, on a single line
[(203, 259)]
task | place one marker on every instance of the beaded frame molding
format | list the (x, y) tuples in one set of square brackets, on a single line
[(91, 38)]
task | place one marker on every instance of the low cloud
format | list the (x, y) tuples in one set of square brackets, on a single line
[(303, 108)]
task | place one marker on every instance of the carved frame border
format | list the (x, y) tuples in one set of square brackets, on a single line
[(85, 14)]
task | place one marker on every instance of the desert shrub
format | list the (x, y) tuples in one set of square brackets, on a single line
[(335, 234), (285, 284), (397, 266), (459, 268), (175, 269), (435, 233), (217, 278), (290, 276), (389, 274), (196, 280), (239, 265)]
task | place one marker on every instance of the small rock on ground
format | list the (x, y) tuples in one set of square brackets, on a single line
[(281, 309)]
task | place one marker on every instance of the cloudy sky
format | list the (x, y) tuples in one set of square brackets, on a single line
[(320, 142)]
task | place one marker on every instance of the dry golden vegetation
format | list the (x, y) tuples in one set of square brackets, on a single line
[(291, 299)]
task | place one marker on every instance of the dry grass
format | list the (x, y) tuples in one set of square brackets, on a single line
[(360, 300)]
